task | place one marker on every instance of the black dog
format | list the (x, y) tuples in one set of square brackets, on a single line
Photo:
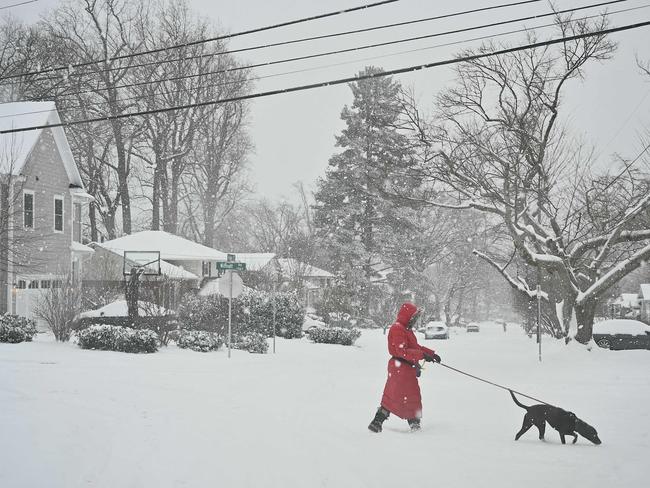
[(566, 423)]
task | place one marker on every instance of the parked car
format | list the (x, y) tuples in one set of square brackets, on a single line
[(473, 327), (617, 334), (436, 330)]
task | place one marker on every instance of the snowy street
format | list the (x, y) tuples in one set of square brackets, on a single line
[(298, 418)]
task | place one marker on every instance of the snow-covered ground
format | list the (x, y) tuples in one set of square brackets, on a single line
[(73, 418)]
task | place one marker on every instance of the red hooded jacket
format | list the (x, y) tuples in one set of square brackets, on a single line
[(402, 391)]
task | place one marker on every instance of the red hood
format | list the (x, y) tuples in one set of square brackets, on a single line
[(405, 313)]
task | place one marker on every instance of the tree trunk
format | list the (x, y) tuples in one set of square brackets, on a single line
[(92, 216), (585, 317), (155, 198)]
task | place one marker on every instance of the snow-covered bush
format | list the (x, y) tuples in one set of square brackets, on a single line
[(114, 338), (15, 329), (334, 335), (252, 312), (251, 342), (258, 314), (198, 340)]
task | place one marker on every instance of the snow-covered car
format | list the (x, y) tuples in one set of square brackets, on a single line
[(436, 330), (473, 327), (622, 334)]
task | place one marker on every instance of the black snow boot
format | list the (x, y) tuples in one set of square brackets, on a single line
[(415, 424), (381, 415)]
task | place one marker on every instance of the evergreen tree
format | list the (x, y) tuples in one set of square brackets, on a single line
[(352, 212)]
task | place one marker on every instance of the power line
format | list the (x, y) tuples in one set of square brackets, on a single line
[(213, 85), (332, 65), (353, 49), (339, 81), (17, 4), (296, 41), (212, 39)]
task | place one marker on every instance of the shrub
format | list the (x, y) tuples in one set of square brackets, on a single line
[(334, 335), (251, 313), (58, 308), (162, 325), (251, 342), (198, 340), (15, 329), (115, 338), (258, 314)]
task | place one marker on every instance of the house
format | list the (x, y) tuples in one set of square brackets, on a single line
[(42, 200), (184, 265), (644, 302), (310, 279)]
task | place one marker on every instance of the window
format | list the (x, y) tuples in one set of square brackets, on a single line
[(22, 284), (28, 210), (206, 268), (58, 214), (33, 284), (45, 284), (56, 284), (76, 234)]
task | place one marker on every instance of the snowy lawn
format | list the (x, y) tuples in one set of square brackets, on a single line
[(178, 418)]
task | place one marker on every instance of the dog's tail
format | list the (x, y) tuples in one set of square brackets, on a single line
[(519, 404)]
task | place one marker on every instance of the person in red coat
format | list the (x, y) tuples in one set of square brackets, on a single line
[(402, 391)]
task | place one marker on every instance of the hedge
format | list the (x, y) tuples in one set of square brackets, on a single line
[(15, 329), (252, 312), (115, 338), (334, 335)]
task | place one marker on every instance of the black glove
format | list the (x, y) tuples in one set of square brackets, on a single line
[(432, 358)]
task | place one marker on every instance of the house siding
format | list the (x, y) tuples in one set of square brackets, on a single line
[(41, 250)]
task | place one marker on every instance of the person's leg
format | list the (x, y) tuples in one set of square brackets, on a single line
[(381, 415), (414, 424)]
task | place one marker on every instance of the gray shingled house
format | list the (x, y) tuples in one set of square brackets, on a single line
[(41, 207)]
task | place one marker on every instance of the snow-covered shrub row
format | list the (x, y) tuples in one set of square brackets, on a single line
[(115, 338), (334, 335), (15, 329), (198, 340), (252, 312), (251, 342)]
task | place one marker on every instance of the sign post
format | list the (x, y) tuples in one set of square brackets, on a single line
[(231, 287)]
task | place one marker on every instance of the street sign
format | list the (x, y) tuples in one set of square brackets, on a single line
[(229, 265), (224, 285)]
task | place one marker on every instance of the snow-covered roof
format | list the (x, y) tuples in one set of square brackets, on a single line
[(16, 147), (289, 266), (166, 269), (645, 292), (119, 308), (255, 261), (171, 247), (80, 248)]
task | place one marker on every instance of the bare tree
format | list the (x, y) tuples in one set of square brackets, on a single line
[(498, 147)]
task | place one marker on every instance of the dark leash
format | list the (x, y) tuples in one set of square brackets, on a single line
[(496, 384)]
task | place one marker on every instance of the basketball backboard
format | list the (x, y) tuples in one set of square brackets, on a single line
[(149, 261)]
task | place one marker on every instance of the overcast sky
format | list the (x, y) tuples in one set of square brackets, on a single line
[(294, 133)]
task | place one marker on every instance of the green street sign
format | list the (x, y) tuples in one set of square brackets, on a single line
[(229, 265)]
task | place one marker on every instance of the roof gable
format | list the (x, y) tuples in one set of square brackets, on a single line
[(16, 148)]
